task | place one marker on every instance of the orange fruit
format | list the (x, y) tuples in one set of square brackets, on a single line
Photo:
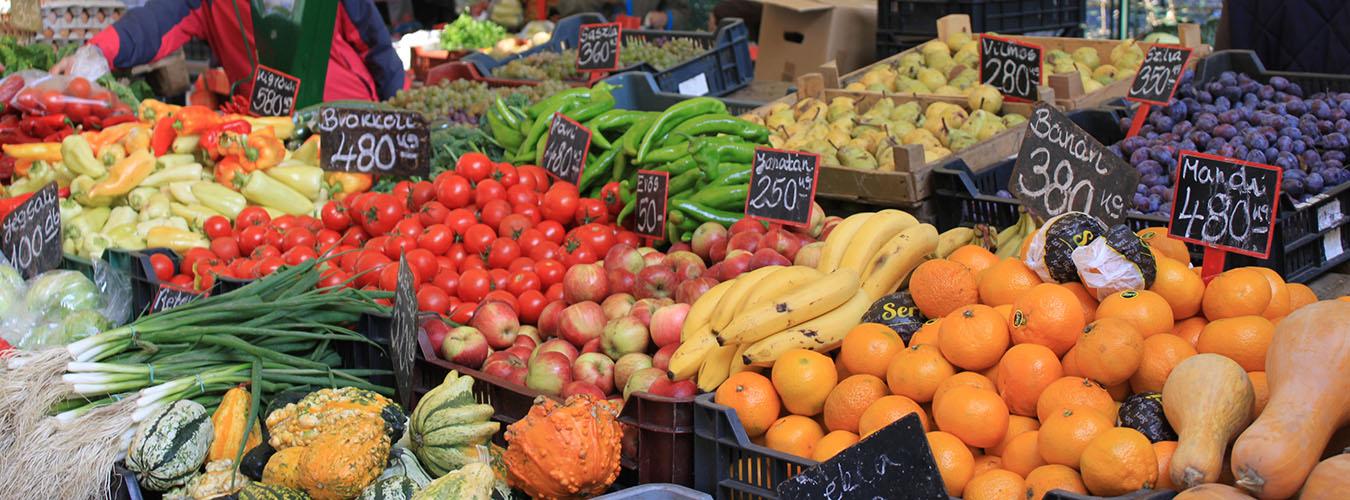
[(1236, 292), (940, 286), (1048, 315), (976, 258), (1148, 311), (848, 400), (754, 399), (973, 337), (840, 372), (916, 372), (1017, 425), (1118, 461), (1163, 451), (1003, 282), (1023, 373), (996, 484), (986, 463), (1180, 287), (954, 460), (833, 443), (1023, 454), (963, 379), (978, 417), (927, 334), (803, 378), (1053, 477), (1279, 294), (868, 348), (1070, 363), (1163, 245), (1262, 389), (1073, 392), (794, 434), (1085, 299), (1189, 328), (1109, 351), (1162, 352), (991, 373), (1299, 295), (1004, 311), (1063, 437), (886, 410), (1119, 392), (1243, 339)]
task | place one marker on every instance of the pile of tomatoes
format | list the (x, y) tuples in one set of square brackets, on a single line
[(485, 231), (49, 103)]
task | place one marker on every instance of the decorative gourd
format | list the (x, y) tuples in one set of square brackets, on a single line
[(1330, 479), (471, 482), (402, 462), (1308, 372), (1208, 400), (390, 488), (284, 467), (220, 479), (229, 421), (300, 423), (1143, 412), (1212, 492), (564, 451), (448, 424), (170, 445), (339, 465), (264, 491), (255, 461)]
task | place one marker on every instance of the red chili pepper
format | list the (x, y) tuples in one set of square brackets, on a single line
[(93, 122), (162, 138), (118, 119), (58, 135), (8, 205), (47, 125)]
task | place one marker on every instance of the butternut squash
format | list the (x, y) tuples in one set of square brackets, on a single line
[(1208, 400), (1212, 492), (1308, 373), (1330, 479)]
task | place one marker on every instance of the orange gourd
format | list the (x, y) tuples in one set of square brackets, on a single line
[(1208, 399), (1330, 479), (229, 421), (1308, 374), (564, 450), (1212, 492)]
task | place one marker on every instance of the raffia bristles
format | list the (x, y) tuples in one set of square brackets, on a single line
[(28, 392), (80, 453)]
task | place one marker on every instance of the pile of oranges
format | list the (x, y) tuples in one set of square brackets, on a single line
[(1019, 382)]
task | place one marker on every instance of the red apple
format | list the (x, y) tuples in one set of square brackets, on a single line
[(622, 336), (736, 264), (642, 380), (558, 346), (617, 305), (549, 372), (665, 387), (815, 225), (592, 345), (526, 342), (705, 236), (621, 281), (629, 364), (689, 291), (642, 310), (666, 324), (596, 369), (498, 322), (576, 387), (520, 351), (656, 282), (783, 242), (747, 240), (768, 257), (584, 282), (466, 346), (662, 357), (436, 330), (528, 332), (747, 224), (717, 252), (517, 376), (687, 265), (830, 223), (502, 363), (549, 318), (652, 258), (809, 255), (581, 322), (623, 257), (679, 247)]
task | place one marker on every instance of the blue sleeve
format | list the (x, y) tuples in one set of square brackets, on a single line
[(384, 65), (141, 32)]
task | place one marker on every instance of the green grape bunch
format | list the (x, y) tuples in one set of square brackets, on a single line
[(661, 54)]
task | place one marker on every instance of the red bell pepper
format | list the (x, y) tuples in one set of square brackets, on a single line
[(211, 139)]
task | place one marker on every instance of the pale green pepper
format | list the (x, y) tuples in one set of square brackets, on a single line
[(178, 240), (189, 172), (63, 174), (125, 238), (112, 154), (70, 209), (79, 157), (304, 179), (118, 217), (157, 207), (38, 177), (138, 197), (92, 245), (68, 245), (186, 144), (79, 191), (90, 221), (182, 193), (194, 214), (263, 190), (173, 160), (219, 198)]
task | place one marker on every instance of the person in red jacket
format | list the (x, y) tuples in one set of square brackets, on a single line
[(362, 64)]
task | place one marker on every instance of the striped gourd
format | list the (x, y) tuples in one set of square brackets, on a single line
[(402, 462), (263, 491), (448, 425), (170, 445), (390, 488)]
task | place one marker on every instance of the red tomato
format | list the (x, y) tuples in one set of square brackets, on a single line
[(492, 212), (529, 238), (554, 292), (251, 216), (402, 191), (335, 216), (217, 226), (312, 224), (447, 280), (475, 166), (273, 237), (487, 190), (529, 304), (251, 237), (326, 240), (297, 255), (378, 243), (521, 264), (245, 268), (270, 265), (181, 280), (560, 204), (285, 222), (163, 266), (385, 212), (541, 179), (459, 221), (456, 253), (433, 212), (422, 262), (613, 201), (629, 238), (550, 272), (355, 236), (348, 260), (410, 227), (397, 245), (472, 261), (513, 226), (263, 252), (474, 284), (530, 212), (522, 281), (437, 238), (461, 313), (478, 237), (430, 298), (521, 194), (576, 251), (332, 278), (389, 278), (599, 237), (368, 267), (297, 238), (455, 192), (546, 250), (501, 296), (499, 278), (552, 230), (52, 102), (526, 178), (422, 192), (502, 252), (591, 210), (505, 173), (225, 247)]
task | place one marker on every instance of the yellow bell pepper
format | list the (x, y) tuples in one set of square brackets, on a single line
[(309, 151), (175, 239), (343, 184), (306, 179), (282, 126), (125, 175), (151, 110), (219, 198), (137, 139), (48, 151), (263, 190)]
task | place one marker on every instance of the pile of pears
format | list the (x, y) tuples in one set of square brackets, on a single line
[(949, 67), (843, 134)]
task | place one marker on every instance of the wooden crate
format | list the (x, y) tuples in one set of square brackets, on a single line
[(909, 183)]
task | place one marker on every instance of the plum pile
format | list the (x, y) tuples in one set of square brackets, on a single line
[(1236, 116)]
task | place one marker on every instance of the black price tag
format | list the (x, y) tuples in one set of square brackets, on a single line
[(566, 147), (1159, 74), (782, 186), (897, 311), (403, 331), (1012, 67), (169, 297), (1225, 203), (374, 141), (652, 191), (1060, 168), (598, 47), (30, 236), (894, 462), (274, 93)]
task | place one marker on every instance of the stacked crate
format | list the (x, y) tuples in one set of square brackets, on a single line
[(76, 21)]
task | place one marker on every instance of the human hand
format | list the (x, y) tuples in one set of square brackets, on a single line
[(63, 66), (655, 19)]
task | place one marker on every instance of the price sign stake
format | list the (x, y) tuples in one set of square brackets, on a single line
[(1060, 168), (1156, 81), (782, 186), (403, 331), (565, 148), (598, 48), (274, 92), (1225, 205), (169, 297), (1012, 67), (894, 462), (653, 189), (30, 237), (373, 141)]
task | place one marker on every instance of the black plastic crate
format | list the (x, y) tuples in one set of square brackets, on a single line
[(1246, 61), (144, 283), (638, 90), (901, 22), (727, 464)]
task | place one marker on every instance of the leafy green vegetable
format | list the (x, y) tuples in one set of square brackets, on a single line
[(122, 91), (53, 294), (468, 33)]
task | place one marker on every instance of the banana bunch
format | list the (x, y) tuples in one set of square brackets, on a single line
[(748, 322), (953, 239), (1009, 240)]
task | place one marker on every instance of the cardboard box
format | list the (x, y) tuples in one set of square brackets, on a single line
[(797, 36)]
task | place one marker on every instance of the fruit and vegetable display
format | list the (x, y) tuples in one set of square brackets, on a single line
[(464, 101), (661, 54)]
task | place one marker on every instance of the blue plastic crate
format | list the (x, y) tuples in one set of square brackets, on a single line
[(638, 91), (903, 24)]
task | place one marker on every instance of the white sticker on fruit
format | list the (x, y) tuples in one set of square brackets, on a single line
[(1328, 215), (1331, 244), (697, 85)]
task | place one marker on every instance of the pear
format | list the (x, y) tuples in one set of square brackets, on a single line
[(1012, 119), (911, 58), (966, 79), (871, 139), (881, 109), (931, 78), (934, 111), (875, 76), (1091, 86), (1127, 54), (855, 87), (948, 90), (837, 136), (968, 56), (899, 129), (839, 106), (1088, 56), (855, 157), (959, 139), (959, 40), (809, 109), (886, 157), (985, 97), (1060, 68), (935, 46), (1104, 74), (780, 118), (953, 118), (936, 60), (913, 86), (984, 124), (921, 137), (778, 141), (1058, 56), (931, 155), (753, 118), (909, 69), (907, 112)]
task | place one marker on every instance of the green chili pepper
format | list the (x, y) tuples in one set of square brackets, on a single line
[(666, 154), (598, 171), (722, 197), (735, 173), (547, 106), (635, 134), (717, 124), (674, 116), (684, 181), (508, 136), (616, 174), (679, 166), (541, 123), (706, 214)]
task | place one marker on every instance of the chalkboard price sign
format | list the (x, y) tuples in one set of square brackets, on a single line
[(169, 297), (274, 93), (403, 331), (1060, 168), (652, 191), (892, 463), (1012, 67), (1159, 74), (374, 141), (598, 47), (782, 186), (566, 147), (30, 236), (1225, 203)]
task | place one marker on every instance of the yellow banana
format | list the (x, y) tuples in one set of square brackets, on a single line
[(687, 359), (732, 299), (871, 235), (738, 361), (780, 283), (820, 334), (838, 241), (716, 367), (953, 239), (790, 310), (701, 312), (897, 258)]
